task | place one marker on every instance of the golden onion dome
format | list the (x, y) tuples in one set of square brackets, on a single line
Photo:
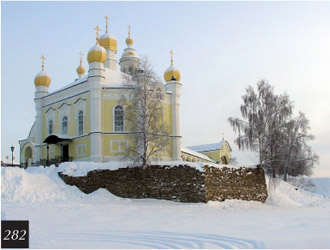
[(172, 72), (108, 42), (42, 78), (97, 54), (81, 70)]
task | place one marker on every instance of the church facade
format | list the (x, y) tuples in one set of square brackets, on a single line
[(83, 121)]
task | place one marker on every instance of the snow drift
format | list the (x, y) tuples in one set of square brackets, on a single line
[(35, 185), (41, 184)]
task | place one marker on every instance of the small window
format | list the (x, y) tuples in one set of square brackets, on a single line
[(65, 125), (80, 123), (119, 119), (50, 127)]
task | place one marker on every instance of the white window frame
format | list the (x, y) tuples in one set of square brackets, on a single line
[(114, 119), (78, 123), (50, 122), (67, 125)]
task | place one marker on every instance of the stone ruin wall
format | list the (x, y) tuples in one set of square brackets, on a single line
[(179, 183)]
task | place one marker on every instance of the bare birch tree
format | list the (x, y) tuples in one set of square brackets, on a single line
[(144, 115), (299, 157), (268, 128)]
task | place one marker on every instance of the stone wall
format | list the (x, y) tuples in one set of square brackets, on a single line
[(235, 183), (179, 183)]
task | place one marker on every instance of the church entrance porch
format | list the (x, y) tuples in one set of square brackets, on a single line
[(27, 157), (61, 141)]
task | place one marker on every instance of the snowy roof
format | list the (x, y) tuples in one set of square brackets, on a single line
[(72, 84), (113, 78), (194, 153), (207, 147)]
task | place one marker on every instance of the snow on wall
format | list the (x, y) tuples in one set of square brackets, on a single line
[(82, 168)]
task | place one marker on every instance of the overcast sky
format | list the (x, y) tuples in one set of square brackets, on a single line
[(220, 48)]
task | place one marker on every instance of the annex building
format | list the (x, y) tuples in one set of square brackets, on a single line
[(83, 121)]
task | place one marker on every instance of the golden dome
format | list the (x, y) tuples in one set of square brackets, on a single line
[(170, 72), (129, 41), (108, 42), (81, 70), (42, 78), (96, 54)]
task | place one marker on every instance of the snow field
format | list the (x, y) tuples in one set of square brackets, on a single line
[(62, 216)]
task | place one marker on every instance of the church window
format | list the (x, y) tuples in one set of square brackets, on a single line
[(80, 123), (119, 119), (50, 127), (65, 125)]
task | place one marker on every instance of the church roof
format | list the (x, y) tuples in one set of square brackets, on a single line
[(194, 153), (55, 138), (208, 147), (113, 79)]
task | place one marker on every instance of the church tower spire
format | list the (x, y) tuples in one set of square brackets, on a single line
[(42, 78), (81, 70), (109, 42), (41, 82), (172, 77), (172, 73), (129, 61)]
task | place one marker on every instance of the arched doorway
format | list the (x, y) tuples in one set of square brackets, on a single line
[(224, 160), (28, 156)]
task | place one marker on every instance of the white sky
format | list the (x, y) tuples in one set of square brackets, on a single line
[(220, 48)]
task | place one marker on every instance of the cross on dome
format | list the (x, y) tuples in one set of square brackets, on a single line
[(171, 52), (172, 73), (106, 24), (97, 28), (129, 31), (43, 58), (42, 78), (81, 55)]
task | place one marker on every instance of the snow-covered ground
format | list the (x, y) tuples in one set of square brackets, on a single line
[(62, 216)]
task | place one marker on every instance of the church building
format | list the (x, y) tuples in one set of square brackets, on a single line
[(83, 121)]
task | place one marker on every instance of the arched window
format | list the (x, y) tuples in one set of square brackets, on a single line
[(119, 119), (80, 123), (50, 127), (65, 125)]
